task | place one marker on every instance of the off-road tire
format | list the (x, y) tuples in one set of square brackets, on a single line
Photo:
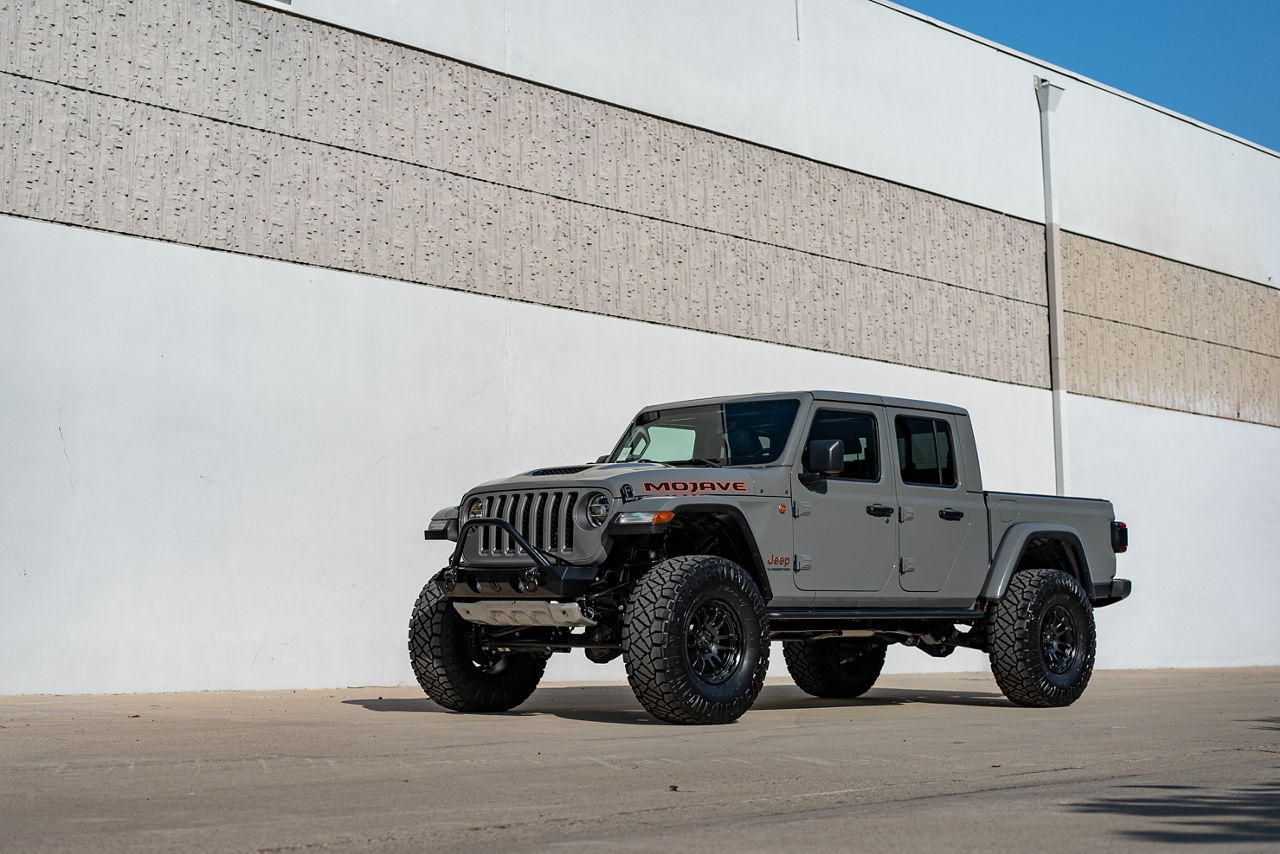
[(695, 640), (1041, 639), (454, 671), (833, 668)]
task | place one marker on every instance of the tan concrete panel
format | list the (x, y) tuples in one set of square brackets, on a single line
[(242, 63), (1117, 283), (1122, 362), (138, 169), (1150, 330)]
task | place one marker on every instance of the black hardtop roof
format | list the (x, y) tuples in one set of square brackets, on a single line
[(833, 396)]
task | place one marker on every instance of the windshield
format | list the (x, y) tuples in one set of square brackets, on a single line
[(720, 434)]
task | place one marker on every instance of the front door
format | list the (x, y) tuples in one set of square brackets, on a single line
[(846, 527)]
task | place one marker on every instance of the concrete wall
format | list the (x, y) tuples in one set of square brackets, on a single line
[(233, 497), (218, 467), (385, 160), (1148, 330), (330, 148), (874, 87), (276, 291), (1199, 495)]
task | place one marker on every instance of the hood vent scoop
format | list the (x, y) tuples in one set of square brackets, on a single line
[(558, 471)]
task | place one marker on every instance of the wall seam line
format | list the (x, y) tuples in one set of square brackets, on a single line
[(1174, 334)]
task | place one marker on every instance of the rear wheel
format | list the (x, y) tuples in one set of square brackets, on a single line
[(834, 667), (1042, 639), (695, 640), (457, 669)]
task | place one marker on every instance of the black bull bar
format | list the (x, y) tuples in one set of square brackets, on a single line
[(545, 579)]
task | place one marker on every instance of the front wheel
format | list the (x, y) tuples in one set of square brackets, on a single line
[(457, 669), (695, 640), (1042, 639)]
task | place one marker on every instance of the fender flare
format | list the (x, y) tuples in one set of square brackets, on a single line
[(1014, 544)]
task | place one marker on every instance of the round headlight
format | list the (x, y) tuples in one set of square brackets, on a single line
[(475, 508), (597, 509)]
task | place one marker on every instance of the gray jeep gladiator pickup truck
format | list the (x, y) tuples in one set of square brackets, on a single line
[(836, 523)]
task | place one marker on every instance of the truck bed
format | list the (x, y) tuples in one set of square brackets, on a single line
[(1089, 518)]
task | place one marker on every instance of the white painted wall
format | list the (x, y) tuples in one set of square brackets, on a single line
[(1199, 496), (217, 469), (1145, 179), (873, 87)]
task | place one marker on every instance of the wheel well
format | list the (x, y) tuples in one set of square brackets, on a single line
[(717, 531), (1056, 552)]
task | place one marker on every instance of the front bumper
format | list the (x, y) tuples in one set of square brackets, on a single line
[(555, 581)]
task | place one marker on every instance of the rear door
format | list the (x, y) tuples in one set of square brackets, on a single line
[(841, 545), (939, 522)]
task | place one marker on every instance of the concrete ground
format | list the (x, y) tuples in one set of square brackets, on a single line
[(1146, 759)]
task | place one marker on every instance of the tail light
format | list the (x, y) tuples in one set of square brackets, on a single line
[(1119, 537)]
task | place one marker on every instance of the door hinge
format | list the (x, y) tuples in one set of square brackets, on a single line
[(800, 508), (907, 564), (906, 514), (803, 562)]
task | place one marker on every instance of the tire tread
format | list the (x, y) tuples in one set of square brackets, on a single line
[(810, 666), (449, 680), (1014, 645)]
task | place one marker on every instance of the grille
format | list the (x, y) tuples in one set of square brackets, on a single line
[(545, 519)]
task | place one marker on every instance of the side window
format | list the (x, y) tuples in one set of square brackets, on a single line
[(925, 455), (858, 432)]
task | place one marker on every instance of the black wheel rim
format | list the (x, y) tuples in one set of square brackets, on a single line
[(1058, 640), (713, 641), (487, 661), (846, 655)]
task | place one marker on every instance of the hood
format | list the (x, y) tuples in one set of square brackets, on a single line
[(644, 479)]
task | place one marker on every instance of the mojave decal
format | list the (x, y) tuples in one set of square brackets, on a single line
[(695, 487)]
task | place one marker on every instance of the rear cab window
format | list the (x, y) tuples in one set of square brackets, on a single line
[(926, 454)]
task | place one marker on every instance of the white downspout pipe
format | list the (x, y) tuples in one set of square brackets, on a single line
[(1048, 95)]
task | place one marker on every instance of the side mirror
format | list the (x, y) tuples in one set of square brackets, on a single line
[(826, 458)]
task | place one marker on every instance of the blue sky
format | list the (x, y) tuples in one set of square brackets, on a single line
[(1217, 61)]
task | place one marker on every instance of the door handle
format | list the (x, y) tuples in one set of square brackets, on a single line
[(883, 510), (950, 515)]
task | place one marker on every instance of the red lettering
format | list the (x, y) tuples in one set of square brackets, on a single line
[(695, 487)]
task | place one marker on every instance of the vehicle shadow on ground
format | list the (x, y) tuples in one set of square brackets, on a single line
[(616, 703), (606, 704), (1194, 815), (788, 697)]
